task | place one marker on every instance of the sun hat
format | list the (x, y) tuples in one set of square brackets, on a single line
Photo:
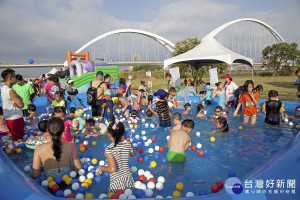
[(226, 76), (160, 93)]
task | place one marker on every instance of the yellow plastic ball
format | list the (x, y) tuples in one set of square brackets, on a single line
[(85, 184), (297, 126), (240, 127), (19, 140), (6, 143), (94, 161), (109, 195), (64, 178), (49, 179), (19, 150), (82, 149), (51, 184), (179, 186), (8, 151), (89, 196), (238, 115), (212, 139), (195, 101), (135, 126), (68, 181), (176, 194), (216, 116), (10, 142), (88, 181), (94, 143), (153, 164)]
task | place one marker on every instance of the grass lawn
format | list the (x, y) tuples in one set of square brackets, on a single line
[(283, 84)]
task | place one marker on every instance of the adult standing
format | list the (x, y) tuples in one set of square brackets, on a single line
[(144, 87), (51, 87), (107, 78), (12, 105), (97, 109), (298, 82), (230, 87), (71, 90), (171, 81), (25, 91)]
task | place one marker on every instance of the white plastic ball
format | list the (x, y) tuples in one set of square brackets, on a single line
[(161, 179), (87, 159), (143, 120), (82, 160), (79, 196), (199, 145), (101, 163), (169, 197), (291, 124), (146, 144), (128, 192), (133, 169), (146, 125), (75, 186), (159, 197), (159, 186), (198, 134), (27, 168), (131, 197), (143, 186), (150, 150), (132, 131), (168, 137), (204, 112), (156, 148), (147, 173), (149, 176), (134, 121), (286, 121), (123, 196), (90, 167), (149, 141), (85, 142), (144, 138), (189, 194), (73, 174), (151, 185), (130, 126), (137, 136), (81, 178), (45, 183), (101, 196), (137, 184), (10, 146), (77, 141), (149, 192), (67, 192), (141, 172), (90, 175), (143, 132)]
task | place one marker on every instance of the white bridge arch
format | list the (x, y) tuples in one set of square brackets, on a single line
[(170, 46), (269, 28)]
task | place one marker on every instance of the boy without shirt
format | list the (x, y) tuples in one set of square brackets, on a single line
[(177, 121), (179, 142)]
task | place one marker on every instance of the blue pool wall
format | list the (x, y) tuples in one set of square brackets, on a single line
[(284, 165)]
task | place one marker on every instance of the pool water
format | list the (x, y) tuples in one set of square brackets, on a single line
[(238, 151)]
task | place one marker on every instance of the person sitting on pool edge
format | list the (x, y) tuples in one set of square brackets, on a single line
[(179, 142)]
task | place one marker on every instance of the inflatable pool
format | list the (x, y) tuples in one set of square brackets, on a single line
[(283, 166)]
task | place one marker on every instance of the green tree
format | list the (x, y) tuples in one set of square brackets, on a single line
[(282, 57)]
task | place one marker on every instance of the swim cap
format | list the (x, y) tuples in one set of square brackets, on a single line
[(107, 92)]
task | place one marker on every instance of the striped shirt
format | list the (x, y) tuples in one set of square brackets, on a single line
[(122, 178), (162, 109)]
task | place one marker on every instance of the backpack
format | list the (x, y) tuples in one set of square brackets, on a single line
[(91, 95)]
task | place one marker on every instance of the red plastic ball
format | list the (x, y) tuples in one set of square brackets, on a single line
[(71, 196), (35, 134), (152, 180), (120, 191), (140, 159), (214, 188), (227, 111), (201, 152), (220, 184), (81, 145), (86, 147), (193, 148), (153, 139), (161, 149), (14, 149), (141, 150), (115, 196), (141, 178), (211, 120), (55, 188)]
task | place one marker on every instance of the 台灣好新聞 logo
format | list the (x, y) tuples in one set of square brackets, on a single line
[(233, 185)]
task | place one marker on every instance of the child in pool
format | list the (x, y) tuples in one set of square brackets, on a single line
[(150, 99), (187, 109), (72, 115), (200, 109), (273, 108), (220, 92), (58, 101), (179, 142), (209, 90), (61, 113), (219, 113), (149, 113), (33, 117), (78, 122), (90, 129), (43, 128), (249, 98), (221, 125), (173, 98), (3, 126), (177, 121), (133, 116), (117, 154)]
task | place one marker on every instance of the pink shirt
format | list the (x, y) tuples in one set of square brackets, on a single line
[(51, 89), (66, 137)]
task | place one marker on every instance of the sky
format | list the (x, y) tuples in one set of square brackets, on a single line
[(44, 30)]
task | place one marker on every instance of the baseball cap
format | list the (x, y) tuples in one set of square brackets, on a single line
[(99, 73), (160, 93), (107, 92), (226, 76)]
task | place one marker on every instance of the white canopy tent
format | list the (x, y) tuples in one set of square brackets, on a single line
[(208, 52)]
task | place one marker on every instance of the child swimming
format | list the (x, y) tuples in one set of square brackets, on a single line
[(221, 125), (200, 109), (187, 109), (219, 113)]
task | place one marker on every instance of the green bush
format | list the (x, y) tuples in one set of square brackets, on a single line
[(264, 74)]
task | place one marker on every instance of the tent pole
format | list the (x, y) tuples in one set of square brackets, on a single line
[(252, 72), (164, 78)]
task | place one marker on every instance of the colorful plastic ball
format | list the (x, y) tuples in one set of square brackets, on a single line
[(205, 151), (98, 179), (82, 149), (89, 196), (198, 134), (94, 161), (176, 194), (109, 195), (71, 196), (161, 149), (141, 150), (73, 174), (59, 193), (153, 139), (179, 186), (240, 127), (211, 120), (123, 196), (202, 192), (8, 151), (164, 160), (212, 139), (297, 126), (159, 186), (200, 152), (150, 150), (79, 196), (140, 159), (189, 194), (149, 192), (231, 174), (214, 188), (81, 172), (94, 143), (67, 192), (51, 183), (193, 148), (55, 188), (68, 181), (139, 193), (26, 168), (82, 189), (146, 158), (295, 132), (45, 183), (141, 178), (153, 164), (133, 169), (74, 181), (161, 179), (104, 145), (19, 150), (75, 186), (81, 178), (58, 179), (151, 185), (220, 184), (106, 174)]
